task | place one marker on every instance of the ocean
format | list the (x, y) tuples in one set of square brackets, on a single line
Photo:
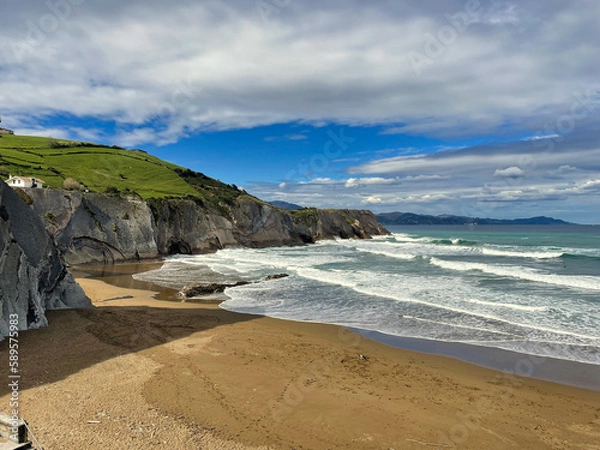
[(529, 289)]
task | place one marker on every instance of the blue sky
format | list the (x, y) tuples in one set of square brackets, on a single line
[(486, 108)]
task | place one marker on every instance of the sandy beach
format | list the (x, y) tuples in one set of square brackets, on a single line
[(145, 373)]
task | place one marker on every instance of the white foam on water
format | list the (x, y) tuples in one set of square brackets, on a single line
[(446, 293), (510, 306), (369, 283), (334, 282), (408, 250), (523, 273), (389, 254), (521, 254)]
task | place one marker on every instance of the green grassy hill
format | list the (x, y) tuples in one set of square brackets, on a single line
[(107, 169)]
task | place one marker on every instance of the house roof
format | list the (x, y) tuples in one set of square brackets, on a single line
[(28, 179)]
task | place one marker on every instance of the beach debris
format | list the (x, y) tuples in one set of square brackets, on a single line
[(362, 357), (124, 297), (93, 422)]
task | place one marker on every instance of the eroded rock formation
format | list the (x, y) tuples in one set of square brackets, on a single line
[(33, 276), (92, 227)]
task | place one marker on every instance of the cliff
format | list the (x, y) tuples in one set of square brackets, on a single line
[(90, 227), (33, 275)]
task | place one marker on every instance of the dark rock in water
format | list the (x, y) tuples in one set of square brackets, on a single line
[(33, 276), (204, 289), (199, 290), (276, 276)]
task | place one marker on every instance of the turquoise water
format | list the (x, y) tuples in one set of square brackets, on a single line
[(534, 290)]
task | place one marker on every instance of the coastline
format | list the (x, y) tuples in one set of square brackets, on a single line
[(146, 373), (561, 371)]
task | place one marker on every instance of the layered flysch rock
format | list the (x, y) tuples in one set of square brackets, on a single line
[(92, 227), (33, 275)]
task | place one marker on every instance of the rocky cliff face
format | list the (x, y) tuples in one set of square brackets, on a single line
[(33, 275), (102, 228)]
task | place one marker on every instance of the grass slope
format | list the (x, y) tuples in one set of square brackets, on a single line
[(102, 168)]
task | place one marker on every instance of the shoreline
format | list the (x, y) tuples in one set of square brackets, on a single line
[(138, 372), (561, 371)]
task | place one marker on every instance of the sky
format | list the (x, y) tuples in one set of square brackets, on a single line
[(484, 108)]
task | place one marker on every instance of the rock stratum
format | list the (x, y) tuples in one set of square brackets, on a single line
[(33, 275), (92, 227)]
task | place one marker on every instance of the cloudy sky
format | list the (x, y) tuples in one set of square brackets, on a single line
[(485, 108)]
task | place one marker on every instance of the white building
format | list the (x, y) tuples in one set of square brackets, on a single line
[(25, 182)]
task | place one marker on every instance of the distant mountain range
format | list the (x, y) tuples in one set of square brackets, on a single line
[(402, 218), (286, 205)]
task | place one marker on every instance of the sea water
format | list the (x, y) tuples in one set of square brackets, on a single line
[(529, 289)]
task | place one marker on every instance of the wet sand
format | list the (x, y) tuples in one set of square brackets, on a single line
[(146, 373), (571, 373)]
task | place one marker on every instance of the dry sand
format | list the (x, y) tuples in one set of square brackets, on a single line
[(141, 373)]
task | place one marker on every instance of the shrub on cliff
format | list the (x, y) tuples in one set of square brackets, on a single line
[(112, 190), (72, 184), (24, 196)]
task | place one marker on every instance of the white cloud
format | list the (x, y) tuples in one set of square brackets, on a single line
[(372, 200), (357, 182), (565, 169), (320, 181), (538, 137), (509, 172), (296, 137), (57, 133), (216, 65), (467, 185), (590, 185), (425, 177)]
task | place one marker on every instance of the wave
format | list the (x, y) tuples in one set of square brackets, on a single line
[(406, 238), (369, 283), (510, 306), (400, 237), (519, 254), (580, 257), (389, 254), (384, 317), (523, 273), (463, 242)]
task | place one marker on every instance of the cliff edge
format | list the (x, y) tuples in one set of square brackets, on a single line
[(33, 276), (91, 227)]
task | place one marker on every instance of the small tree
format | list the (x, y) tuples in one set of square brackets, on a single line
[(54, 143)]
